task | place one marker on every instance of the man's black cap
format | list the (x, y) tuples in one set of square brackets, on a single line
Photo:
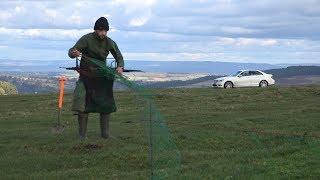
[(101, 24)]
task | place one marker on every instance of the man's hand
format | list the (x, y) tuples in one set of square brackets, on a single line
[(76, 53), (119, 70)]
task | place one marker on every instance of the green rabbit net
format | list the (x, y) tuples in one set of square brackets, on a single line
[(164, 156)]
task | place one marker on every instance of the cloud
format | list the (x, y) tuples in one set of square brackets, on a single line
[(238, 30), (51, 13), (48, 34), (140, 21), (259, 19), (75, 19), (5, 15), (248, 41)]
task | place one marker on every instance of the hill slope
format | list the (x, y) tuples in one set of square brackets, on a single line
[(236, 133), (292, 75), (296, 75), (295, 71)]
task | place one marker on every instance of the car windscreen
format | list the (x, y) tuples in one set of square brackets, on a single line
[(236, 74), (254, 73)]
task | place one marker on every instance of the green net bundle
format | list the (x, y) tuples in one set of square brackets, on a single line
[(164, 156)]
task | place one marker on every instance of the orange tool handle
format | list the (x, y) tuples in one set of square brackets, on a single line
[(61, 92)]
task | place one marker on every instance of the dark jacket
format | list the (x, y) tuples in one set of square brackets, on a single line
[(99, 90), (91, 45)]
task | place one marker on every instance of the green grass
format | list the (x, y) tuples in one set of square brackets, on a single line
[(246, 133)]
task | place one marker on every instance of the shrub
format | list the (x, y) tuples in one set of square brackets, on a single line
[(7, 88)]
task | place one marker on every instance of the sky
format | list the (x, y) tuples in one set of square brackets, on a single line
[(263, 31)]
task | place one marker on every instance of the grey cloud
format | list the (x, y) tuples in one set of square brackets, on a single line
[(182, 27), (260, 19)]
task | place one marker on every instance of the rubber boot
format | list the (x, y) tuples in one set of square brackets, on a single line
[(83, 120), (104, 125)]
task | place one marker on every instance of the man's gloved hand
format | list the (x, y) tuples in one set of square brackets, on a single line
[(76, 53)]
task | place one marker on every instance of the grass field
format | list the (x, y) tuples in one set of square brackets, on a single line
[(247, 133)]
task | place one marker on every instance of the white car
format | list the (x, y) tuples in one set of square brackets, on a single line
[(245, 78)]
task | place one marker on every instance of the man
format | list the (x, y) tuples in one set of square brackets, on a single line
[(99, 89)]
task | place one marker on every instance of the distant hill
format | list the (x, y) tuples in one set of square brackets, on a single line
[(294, 71), (180, 83), (296, 75), (43, 82), (293, 75), (212, 67)]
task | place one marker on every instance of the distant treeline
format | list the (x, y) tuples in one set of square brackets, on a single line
[(294, 71)]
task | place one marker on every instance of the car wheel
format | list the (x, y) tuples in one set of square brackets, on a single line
[(263, 84), (228, 85)]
